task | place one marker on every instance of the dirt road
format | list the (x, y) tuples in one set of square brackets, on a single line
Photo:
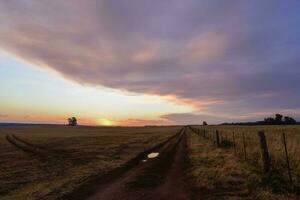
[(160, 178)]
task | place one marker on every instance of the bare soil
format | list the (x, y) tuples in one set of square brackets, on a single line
[(160, 178)]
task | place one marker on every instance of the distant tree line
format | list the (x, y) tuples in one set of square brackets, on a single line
[(277, 120)]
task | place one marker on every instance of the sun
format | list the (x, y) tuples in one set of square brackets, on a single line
[(105, 122)]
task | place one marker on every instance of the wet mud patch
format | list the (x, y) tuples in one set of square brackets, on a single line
[(154, 174)]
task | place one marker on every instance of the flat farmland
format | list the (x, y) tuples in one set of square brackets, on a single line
[(46, 162), (113, 163)]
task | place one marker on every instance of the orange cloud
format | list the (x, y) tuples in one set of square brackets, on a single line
[(205, 47), (144, 55), (197, 104)]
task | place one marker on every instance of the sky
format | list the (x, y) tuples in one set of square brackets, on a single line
[(140, 62)]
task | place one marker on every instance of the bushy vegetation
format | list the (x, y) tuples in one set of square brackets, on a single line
[(72, 121), (277, 120)]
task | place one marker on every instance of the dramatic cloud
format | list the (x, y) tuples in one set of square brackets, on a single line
[(190, 118), (221, 56)]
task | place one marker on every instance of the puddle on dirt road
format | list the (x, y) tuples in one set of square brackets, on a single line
[(153, 155), (150, 156)]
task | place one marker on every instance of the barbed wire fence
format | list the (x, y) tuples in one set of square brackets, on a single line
[(271, 153)]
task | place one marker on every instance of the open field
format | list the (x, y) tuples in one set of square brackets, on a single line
[(49, 161), (58, 162)]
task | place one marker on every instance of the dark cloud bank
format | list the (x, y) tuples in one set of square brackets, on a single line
[(238, 58)]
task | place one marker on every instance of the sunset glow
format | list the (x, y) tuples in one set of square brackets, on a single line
[(137, 63), (106, 122)]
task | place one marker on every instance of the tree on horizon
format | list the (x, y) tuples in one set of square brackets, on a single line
[(72, 121)]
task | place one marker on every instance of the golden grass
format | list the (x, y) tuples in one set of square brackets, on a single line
[(65, 157), (219, 171), (275, 145), (218, 174)]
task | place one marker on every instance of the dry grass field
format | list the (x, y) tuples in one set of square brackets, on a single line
[(45, 162), (224, 167), (50, 162)]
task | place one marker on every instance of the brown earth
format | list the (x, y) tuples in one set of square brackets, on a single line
[(158, 178)]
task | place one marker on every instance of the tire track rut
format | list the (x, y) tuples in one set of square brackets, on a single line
[(160, 178), (53, 161)]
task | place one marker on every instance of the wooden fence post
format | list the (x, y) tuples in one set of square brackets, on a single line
[(214, 137), (217, 138), (244, 144), (264, 151), (287, 159), (233, 140), (221, 137)]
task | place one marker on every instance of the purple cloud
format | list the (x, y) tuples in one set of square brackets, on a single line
[(238, 56)]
